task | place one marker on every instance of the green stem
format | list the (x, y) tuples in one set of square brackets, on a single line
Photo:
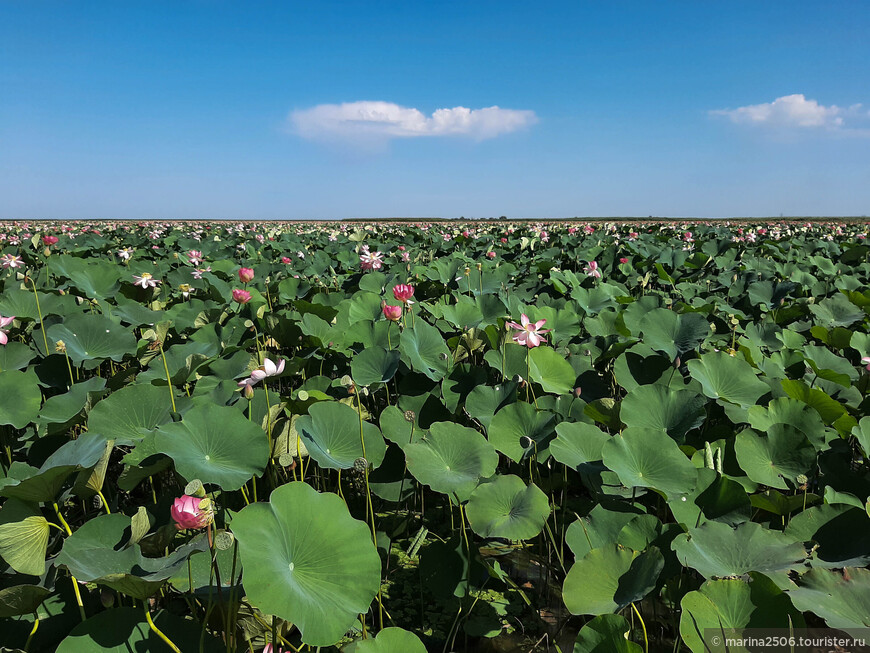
[(75, 582), (156, 630), (643, 626), (32, 632), (39, 311), (168, 380)]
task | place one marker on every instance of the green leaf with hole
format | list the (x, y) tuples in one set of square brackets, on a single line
[(840, 597), (308, 561)]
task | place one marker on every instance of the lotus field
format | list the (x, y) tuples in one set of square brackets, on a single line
[(409, 437)]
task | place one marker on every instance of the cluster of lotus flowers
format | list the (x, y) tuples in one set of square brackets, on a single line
[(403, 293)]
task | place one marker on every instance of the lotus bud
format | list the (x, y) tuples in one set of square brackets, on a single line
[(246, 275), (392, 313)]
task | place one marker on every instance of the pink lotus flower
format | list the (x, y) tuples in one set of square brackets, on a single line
[(194, 257), (125, 254), (592, 270), (623, 260), (49, 240), (267, 369), (4, 322), (285, 260), (371, 260), (490, 255), (145, 280), (198, 272), (864, 361), (403, 292), (530, 335), (406, 256), (192, 512), (246, 275), (392, 313), (241, 296), (11, 261)]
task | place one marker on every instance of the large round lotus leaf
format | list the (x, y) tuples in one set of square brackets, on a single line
[(125, 630), (215, 444), (331, 432), (840, 597), (611, 578), (23, 537), (826, 525), (424, 350), (92, 337), (389, 640), (720, 605), (374, 365), (674, 334), (715, 497), (597, 529), (606, 633), (127, 415), (640, 365), (717, 549), (836, 311), (95, 278), (21, 599), (776, 458), (484, 401), (508, 508), (15, 355), (727, 377), (661, 408), (63, 407), (649, 458), (396, 428), (551, 370), (21, 398), (452, 459), (785, 410), (308, 561), (517, 421), (578, 445)]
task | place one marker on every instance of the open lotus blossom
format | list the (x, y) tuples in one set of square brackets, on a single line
[(4, 322), (267, 369), (192, 512), (146, 280), (125, 253), (403, 292), (392, 313), (194, 257), (592, 270), (198, 272), (246, 275), (530, 334), (371, 260), (866, 361), (11, 261), (241, 296)]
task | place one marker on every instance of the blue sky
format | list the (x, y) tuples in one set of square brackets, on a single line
[(291, 110)]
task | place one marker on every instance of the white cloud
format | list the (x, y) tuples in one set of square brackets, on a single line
[(789, 111), (381, 121)]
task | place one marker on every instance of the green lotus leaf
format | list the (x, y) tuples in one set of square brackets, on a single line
[(785, 410), (396, 428), (17, 600), (840, 597), (836, 311), (389, 640), (661, 408), (720, 605), (126, 415), (15, 355), (215, 444), (374, 365), (517, 421), (727, 377), (424, 350), (600, 527), (610, 578), (23, 537), (606, 633), (308, 561), (21, 398), (640, 365), (776, 458), (672, 333), (483, 402), (578, 445), (551, 370), (826, 525), (508, 508), (717, 549), (22, 304), (862, 434), (122, 630), (62, 408), (716, 498), (452, 459), (644, 457), (100, 551), (96, 279), (30, 484), (331, 432), (91, 337)]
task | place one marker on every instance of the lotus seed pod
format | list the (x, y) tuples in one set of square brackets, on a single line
[(410, 415), (195, 489), (360, 464), (286, 459), (223, 540)]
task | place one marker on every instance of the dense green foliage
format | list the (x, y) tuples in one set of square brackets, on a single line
[(679, 443)]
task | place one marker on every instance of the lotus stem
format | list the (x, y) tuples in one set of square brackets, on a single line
[(32, 632), (168, 380), (39, 312), (75, 582), (157, 631), (643, 626)]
